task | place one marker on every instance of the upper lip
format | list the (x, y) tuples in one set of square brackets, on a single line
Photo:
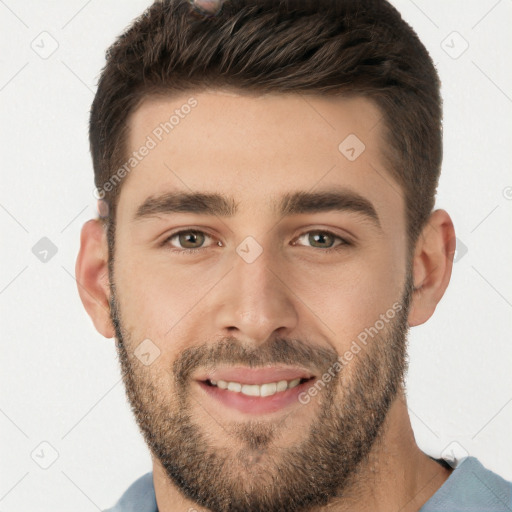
[(246, 375)]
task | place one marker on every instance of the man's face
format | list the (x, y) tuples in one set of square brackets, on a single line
[(259, 300)]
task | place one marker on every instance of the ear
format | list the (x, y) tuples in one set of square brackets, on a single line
[(91, 271), (432, 266)]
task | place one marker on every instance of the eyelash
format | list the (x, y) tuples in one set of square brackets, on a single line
[(187, 250)]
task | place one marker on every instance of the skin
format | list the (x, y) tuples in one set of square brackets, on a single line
[(253, 148)]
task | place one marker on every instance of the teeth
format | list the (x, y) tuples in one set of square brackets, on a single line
[(251, 389), (293, 383), (234, 386), (267, 389), (282, 385)]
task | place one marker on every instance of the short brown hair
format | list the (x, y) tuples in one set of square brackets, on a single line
[(324, 47)]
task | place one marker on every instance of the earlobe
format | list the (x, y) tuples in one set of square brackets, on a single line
[(432, 266), (91, 271)]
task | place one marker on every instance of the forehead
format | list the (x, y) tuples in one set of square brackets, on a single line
[(253, 147)]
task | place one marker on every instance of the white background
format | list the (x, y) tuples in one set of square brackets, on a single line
[(60, 382)]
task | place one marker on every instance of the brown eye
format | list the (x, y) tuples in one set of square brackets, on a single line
[(191, 239), (320, 239), (187, 240)]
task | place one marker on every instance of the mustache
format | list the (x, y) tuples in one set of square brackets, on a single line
[(230, 351)]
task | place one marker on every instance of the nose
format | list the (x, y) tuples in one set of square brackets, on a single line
[(254, 301)]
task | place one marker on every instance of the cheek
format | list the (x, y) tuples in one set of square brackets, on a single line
[(352, 296), (161, 302), (151, 293)]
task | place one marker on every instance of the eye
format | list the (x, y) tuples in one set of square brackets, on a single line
[(189, 240), (321, 239), (193, 240)]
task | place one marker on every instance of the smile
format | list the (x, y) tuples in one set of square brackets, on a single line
[(267, 389), (253, 390)]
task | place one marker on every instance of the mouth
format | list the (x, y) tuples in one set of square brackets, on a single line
[(266, 389), (256, 390)]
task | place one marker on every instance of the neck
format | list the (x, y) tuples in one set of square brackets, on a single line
[(396, 475)]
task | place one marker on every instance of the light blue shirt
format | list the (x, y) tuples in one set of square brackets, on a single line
[(469, 488)]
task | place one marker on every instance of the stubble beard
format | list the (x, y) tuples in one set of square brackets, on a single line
[(250, 472)]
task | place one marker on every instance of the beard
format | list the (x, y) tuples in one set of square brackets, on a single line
[(250, 471)]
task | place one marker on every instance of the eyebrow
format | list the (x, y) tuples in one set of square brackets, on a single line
[(292, 203)]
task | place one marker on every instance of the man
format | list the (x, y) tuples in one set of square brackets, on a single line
[(267, 173)]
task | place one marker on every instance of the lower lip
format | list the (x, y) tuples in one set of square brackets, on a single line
[(255, 404)]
